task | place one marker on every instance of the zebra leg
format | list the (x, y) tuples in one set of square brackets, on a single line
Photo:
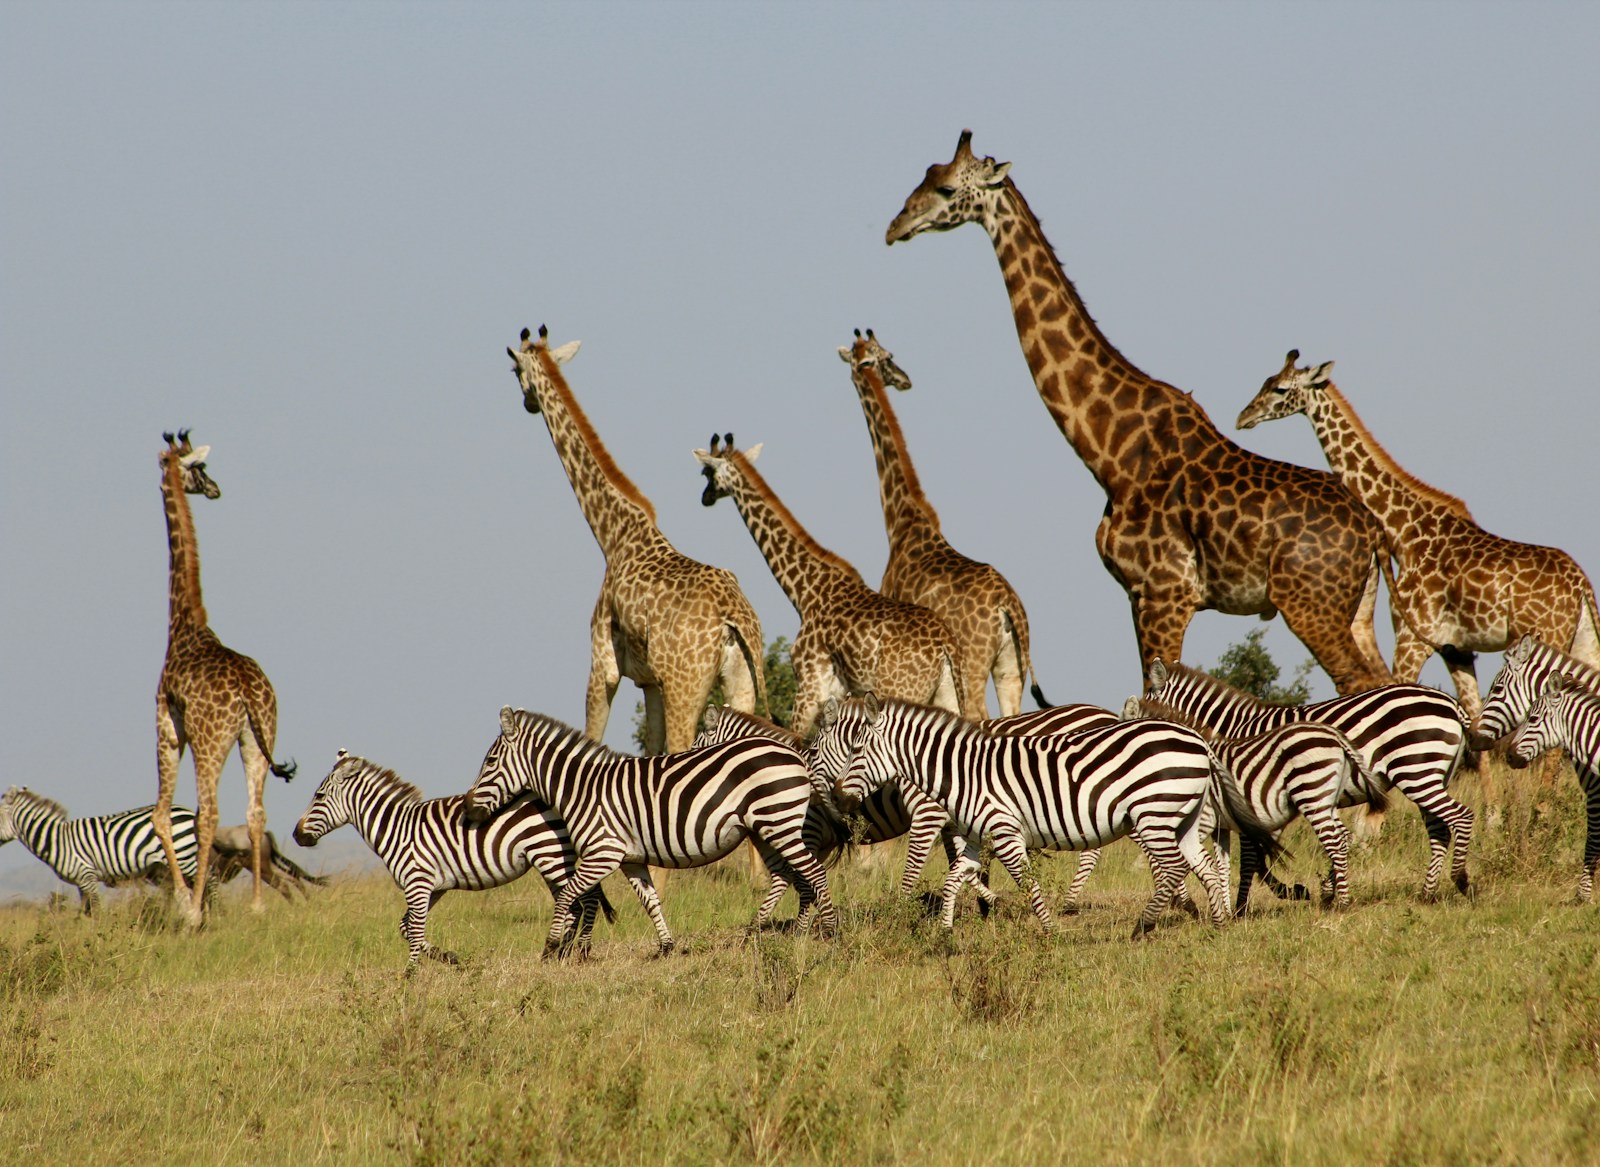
[(593, 866), (783, 876), (927, 822), (1449, 826), (1168, 869), (975, 874), (1086, 864), (88, 885), (639, 875), (775, 891), (1250, 864), (1191, 845), (1591, 840), (414, 928), (791, 855), (1012, 851), (1335, 840)]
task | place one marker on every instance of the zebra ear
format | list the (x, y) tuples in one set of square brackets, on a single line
[(507, 720), (1157, 674), (828, 714), (874, 710), (1132, 709), (1521, 650), (1553, 684)]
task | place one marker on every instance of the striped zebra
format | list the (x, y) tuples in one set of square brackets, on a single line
[(1566, 714), (1529, 663), (1147, 779), (430, 846), (107, 849), (667, 810), (1411, 736), (1299, 768)]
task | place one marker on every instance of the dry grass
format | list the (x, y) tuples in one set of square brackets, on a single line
[(1399, 1032)]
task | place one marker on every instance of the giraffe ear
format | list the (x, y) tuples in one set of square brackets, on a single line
[(566, 352), (753, 452), (998, 174), (704, 456), (198, 454), (846, 354), (1324, 373)]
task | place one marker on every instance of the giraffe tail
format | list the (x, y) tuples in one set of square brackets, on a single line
[(284, 770)]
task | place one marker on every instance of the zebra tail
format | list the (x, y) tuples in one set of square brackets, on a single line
[(284, 770), (1243, 815), (1378, 802)]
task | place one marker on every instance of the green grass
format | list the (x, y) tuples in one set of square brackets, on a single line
[(1397, 1033)]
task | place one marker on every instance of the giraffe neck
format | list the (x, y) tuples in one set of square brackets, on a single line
[(1120, 421), (185, 610), (802, 566), (618, 513), (906, 510), (1399, 500)]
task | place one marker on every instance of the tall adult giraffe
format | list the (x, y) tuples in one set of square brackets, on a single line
[(851, 640), (973, 599), (209, 696), (1192, 520), (672, 624), (1458, 590)]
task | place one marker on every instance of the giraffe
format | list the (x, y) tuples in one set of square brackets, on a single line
[(973, 599), (209, 696), (671, 624), (851, 640), (1192, 520), (1457, 590)]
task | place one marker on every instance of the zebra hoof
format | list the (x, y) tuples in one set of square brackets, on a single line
[(1464, 885), (665, 950)]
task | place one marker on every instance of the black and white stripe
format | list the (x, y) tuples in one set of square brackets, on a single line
[(1566, 714), (1411, 736), (430, 847), (87, 852), (1148, 779), (671, 810), (1529, 664), (1301, 768)]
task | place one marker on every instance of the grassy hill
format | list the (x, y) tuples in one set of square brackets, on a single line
[(1399, 1032)]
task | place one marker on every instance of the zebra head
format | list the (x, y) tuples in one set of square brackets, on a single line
[(868, 764), (505, 772), (1511, 694), (1548, 716), (840, 725), (330, 806)]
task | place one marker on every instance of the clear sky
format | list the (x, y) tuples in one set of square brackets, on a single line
[(309, 232)]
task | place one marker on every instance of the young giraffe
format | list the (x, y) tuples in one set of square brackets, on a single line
[(851, 639), (973, 599), (1458, 590), (670, 623), (209, 696), (1192, 520)]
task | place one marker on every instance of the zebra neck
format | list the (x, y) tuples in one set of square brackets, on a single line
[(39, 834), (384, 819)]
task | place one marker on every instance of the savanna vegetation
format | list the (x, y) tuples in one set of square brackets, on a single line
[(1397, 1033)]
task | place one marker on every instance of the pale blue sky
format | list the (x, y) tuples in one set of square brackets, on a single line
[(309, 231)]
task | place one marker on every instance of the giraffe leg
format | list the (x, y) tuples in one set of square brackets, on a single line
[(208, 762), (255, 777), (169, 752)]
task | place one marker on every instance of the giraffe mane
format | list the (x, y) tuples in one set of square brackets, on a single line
[(1386, 460), (602, 456), (21, 794), (786, 516), (172, 470), (908, 469)]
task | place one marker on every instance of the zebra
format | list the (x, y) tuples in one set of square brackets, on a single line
[(667, 810), (1299, 768), (1566, 713), (1528, 664), (1412, 737), (893, 810), (430, 846), (1148, 779), (106, 849)]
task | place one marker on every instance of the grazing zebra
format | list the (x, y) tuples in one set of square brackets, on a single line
[(1148, 779), (667, 810), (1300, 768), (1411, 736), (1528, 664), (1567, 714), (430, 846), (87, 852)]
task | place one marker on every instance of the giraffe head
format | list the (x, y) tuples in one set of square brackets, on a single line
[(1285, 393), (867, 352), (963, 190), (191, 464), (529, 364), (719, 467)]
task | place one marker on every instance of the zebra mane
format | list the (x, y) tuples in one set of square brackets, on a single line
[(1569, 666), (1201, 679), (21, 794), (1161, 711), (943, 717), (751, 724), (384, 778), (551, 728)]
